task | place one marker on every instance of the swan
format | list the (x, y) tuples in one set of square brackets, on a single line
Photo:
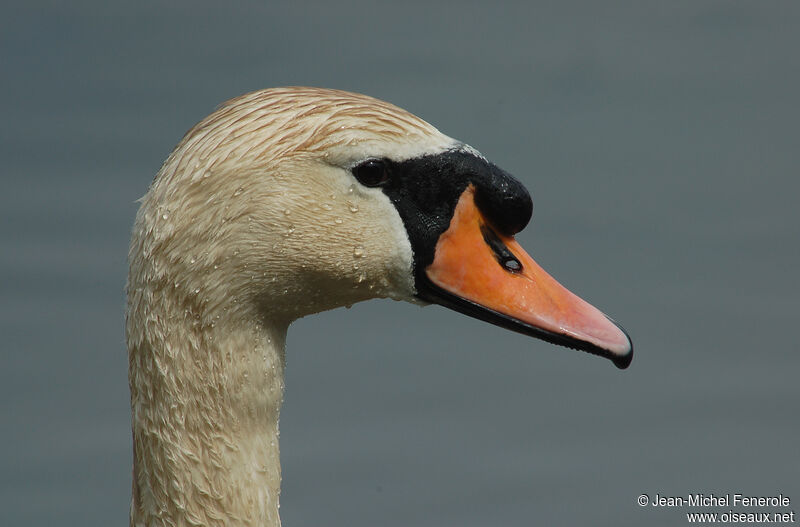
[(286, 202)]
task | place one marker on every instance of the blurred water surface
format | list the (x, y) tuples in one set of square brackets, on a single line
[(659, 140)]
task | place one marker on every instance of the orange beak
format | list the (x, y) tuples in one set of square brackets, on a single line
[(488, 275)]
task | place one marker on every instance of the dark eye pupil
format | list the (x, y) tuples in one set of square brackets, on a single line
[(372, 173)]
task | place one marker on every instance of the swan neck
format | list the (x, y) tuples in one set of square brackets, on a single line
[(206, 394)]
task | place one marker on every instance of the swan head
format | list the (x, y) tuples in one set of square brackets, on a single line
[(291, 201)]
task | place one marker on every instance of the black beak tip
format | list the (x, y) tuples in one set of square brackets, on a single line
[(623, 361)]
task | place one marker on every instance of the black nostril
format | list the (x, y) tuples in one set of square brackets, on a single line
[(504, 201), (501, 253)]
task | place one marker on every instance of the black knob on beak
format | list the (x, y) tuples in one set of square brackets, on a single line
[(503, 200)]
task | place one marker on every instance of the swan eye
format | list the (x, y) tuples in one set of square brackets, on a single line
[(372, 173)]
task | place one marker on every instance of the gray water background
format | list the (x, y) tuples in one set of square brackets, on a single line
[(659, 140)]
